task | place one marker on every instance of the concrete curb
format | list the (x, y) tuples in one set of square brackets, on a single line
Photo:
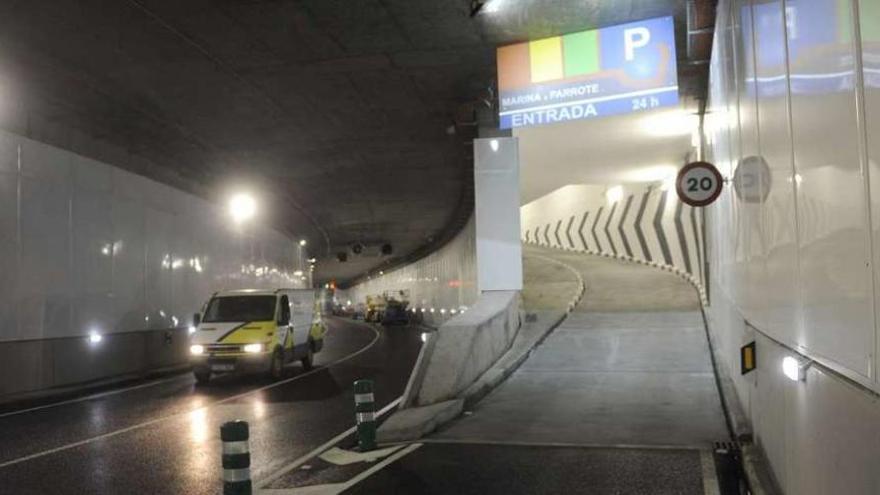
[(757, 471), (755, 466), (416, 422)]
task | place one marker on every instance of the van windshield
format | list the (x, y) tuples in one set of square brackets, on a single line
[(240, 308)]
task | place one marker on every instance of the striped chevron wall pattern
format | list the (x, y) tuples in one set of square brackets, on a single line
[(641, 223)]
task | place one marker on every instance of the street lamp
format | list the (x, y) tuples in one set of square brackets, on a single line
[(242, 207)]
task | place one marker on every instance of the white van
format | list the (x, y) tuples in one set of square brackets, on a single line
[(256, 331)]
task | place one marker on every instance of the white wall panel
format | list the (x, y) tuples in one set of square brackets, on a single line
[(796, 269), (869, 24), (838, 306), (798, 265), (89, 247)]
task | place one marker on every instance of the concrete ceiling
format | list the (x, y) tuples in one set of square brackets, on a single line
[(348, 118), (643, 147)]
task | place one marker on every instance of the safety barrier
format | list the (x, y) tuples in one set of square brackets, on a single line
[(365, 414), (236, 458)]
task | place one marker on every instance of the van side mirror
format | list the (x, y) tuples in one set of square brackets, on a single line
[(197, 318), (284, 318)]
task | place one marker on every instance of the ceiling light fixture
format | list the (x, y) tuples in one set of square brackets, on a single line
[(485, 6), (242, 207)]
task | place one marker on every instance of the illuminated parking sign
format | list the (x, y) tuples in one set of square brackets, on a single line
[(610, 71)]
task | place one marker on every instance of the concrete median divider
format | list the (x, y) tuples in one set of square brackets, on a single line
[(469, 356), (453, 359)]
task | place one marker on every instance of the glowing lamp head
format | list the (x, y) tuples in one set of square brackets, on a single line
[(614, 194), (242, 207), (95, 337), (794, 369)]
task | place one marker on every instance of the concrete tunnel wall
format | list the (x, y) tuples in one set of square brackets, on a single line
[(794, 258), (645, 223), (439, 285), (86, 247)]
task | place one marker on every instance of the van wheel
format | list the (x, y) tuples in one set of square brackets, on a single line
[(202, 377), (308, 361), (276, 369)]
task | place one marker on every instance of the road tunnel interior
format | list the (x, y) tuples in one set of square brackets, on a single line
[(471, 225)]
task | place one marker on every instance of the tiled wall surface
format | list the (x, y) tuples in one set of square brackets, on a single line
[(795, 84), (86, 247), (437, 286)]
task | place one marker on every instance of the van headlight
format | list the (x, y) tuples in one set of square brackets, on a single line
[(253, 348), (196, 350)]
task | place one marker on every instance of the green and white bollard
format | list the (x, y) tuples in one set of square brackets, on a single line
[(236, 458), (365, 411)]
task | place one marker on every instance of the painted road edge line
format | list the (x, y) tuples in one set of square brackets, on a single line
[(320, 450), (184, 413), (710, 477), (336, 488), (369, 472)]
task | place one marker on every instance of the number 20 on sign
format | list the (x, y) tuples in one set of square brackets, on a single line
[(698, 184)]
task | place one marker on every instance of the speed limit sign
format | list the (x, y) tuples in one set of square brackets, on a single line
[(698, 184)]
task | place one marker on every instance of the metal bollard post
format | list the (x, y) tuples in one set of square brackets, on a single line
[(236, 458), (365, 409)]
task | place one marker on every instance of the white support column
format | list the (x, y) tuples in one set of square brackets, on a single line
[(496, 186)]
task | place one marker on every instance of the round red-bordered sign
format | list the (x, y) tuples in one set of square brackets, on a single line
[(699, 184)]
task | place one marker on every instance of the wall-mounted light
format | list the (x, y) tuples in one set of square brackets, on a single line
[(303, 242), (494, 144), (95, 337), (795, 369), (614, 194)]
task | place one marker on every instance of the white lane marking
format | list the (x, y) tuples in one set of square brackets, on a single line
[(342, 457), (710, 479), (330, 443), (337, 488), (477, 441), (90, 397), (165, 418)]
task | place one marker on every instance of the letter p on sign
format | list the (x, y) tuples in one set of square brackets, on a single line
[(634, 38)]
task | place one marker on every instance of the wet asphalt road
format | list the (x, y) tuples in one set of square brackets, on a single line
[(164, 437)]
